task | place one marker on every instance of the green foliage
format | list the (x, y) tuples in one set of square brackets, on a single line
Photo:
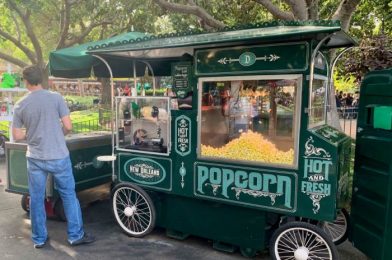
[(158, 92), (85, 115), (8, 81), (345, 84), (4, 127), (89, 120), (374, 53), (82, 100)]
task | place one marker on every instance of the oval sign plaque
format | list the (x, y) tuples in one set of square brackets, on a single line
[(144, 170), (247, 59)]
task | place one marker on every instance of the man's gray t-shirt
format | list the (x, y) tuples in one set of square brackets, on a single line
[(40, 112)]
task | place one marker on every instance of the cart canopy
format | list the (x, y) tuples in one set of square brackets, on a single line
[(159, 51), (74, 62), (179, 47)]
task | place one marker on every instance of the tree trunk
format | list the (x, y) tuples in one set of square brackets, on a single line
[(106, 97), (345, 11), (45, 77)]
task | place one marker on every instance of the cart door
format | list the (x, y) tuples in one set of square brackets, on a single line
[(371, 230)]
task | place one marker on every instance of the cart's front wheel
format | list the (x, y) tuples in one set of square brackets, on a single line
[(133, 209), (338, 230), (25, 202), (301, 241)]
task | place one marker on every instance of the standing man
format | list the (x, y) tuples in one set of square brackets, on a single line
[(45, 116)]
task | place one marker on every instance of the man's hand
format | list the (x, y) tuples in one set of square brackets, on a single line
[(67, 124), (18, 134)]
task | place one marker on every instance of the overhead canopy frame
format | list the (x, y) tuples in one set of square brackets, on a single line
[(159, 50)]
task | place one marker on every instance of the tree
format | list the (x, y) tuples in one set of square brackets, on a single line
[(374, 53), (211, 17), (372, 24), (29, 30)]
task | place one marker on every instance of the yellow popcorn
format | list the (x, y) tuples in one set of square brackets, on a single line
[(250, 146)]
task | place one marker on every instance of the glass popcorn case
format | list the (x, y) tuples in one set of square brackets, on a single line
[(143, 124)]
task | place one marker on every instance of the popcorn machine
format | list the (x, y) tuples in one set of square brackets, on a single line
[(244, 151)]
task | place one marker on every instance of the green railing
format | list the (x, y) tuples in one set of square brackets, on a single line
[(91, 125)]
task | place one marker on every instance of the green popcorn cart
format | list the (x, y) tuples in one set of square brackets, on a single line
[(242, 149), (88, 172)]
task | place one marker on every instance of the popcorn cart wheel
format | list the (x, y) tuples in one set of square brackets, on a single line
[(338, 229), (303, 241), (25, 203), (133, 209)]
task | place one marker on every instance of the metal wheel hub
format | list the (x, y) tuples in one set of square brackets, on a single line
[(302, 253), (129, 211)]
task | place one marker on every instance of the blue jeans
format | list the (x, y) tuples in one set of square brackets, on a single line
[(61, 169)]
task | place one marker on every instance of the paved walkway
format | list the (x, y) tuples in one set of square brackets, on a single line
[(111, 244)]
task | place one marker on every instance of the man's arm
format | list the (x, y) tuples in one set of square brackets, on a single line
[(18, 134), (67, 124)]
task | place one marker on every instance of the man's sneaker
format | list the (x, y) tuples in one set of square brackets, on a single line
[(86, 239), (41, 245)]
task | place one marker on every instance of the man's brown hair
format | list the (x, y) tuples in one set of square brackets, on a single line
[(32, 74)]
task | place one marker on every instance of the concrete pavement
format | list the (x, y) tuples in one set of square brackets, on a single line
[(111, 243)]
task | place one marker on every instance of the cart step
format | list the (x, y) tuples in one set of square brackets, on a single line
[(221, 246), (176, 234)]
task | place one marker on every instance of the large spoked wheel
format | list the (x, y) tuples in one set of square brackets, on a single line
[(301, 241), (337, 230), (133, 210)]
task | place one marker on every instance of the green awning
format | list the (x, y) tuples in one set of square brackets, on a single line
[(159, 51), (74, 62), (177, 45)]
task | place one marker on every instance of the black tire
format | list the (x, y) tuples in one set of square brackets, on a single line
[(301, 240), (59, 210), (25, 203), (248, 252), (338, 230), (136, 220)]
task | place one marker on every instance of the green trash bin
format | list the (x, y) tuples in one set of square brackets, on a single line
[(371, 229)]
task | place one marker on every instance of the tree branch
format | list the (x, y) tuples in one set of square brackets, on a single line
[(313, 6), (18, 44), (29, 29), (64, 23), (192, 9), (79, 38), (275, 11), (16, 25), (299, 9), (13, 60), (345, 11)]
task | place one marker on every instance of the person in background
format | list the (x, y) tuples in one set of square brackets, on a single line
[(119, 90), (349, 100), (45, 116), (127, 90), (338, 100), (356, 99)]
